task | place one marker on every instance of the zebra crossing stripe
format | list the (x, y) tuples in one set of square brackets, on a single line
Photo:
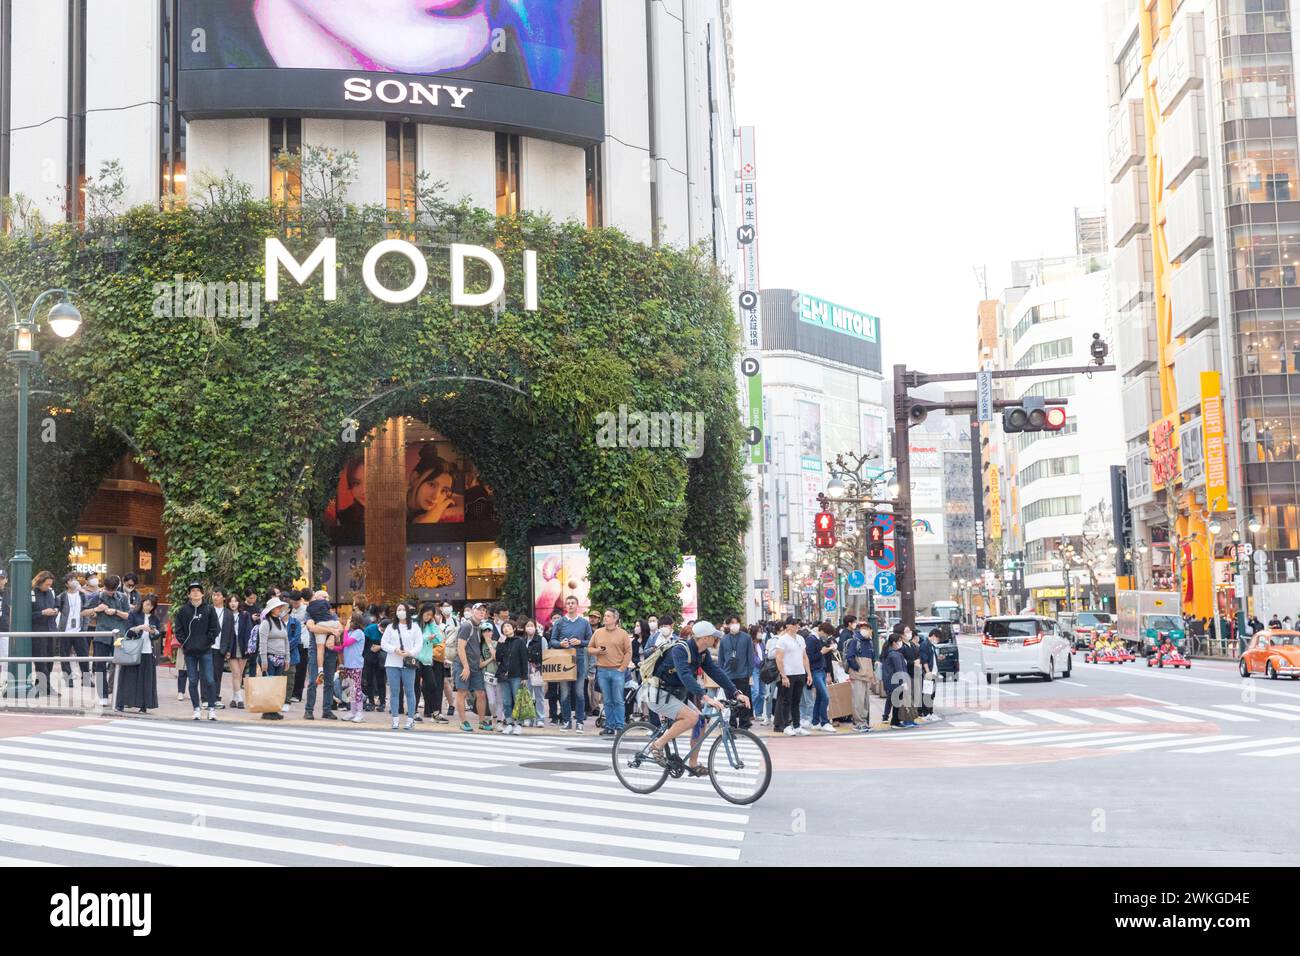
[(1154, 741), (82, 815), (8, 861), (1258, 712), (1283, 706), (1216, 714), (1092, 740), (1278, 752), (1105, 716), (401, 834), (1044, 737), (1057, 718), (514, 788), (1238, 745), (1160, 715), (1008, 719), (444, 802), (112, 849)]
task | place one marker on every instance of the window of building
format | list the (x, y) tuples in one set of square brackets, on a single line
[(1052, 388), (286, 139), (1046, 352), (508, 147), (400, 169), (1047, 312), (171, 123), (1049, 468), (1051, 508), (1130, 63), (1025, 439), (595, 188)]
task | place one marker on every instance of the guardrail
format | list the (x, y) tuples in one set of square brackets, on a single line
[(23, 685)]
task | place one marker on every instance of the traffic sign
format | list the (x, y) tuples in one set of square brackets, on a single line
[(984, 388), (828, 577), (857, 579), (830, 593), (1260, 558), (885, 583), (1240, 551), (830, 605), (887, 562)]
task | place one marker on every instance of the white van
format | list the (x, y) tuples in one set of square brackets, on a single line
[(1022, 646)]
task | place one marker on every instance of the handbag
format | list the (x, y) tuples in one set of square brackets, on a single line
[(534, 678), (768, 673), (127, 651)]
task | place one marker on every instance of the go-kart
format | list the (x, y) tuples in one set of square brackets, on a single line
[(1172, 658), (1105, 655), (1125, 655)]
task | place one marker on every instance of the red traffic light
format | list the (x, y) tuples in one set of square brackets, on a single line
[(1054, 420), (824, 530), (875, 542)]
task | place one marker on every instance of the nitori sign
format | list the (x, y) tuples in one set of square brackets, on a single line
[(325, 258)]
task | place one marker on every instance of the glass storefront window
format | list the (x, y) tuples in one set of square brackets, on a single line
[(87, 554), (485, 570)]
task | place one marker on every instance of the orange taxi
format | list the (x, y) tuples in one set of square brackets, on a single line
[(1274, 654)]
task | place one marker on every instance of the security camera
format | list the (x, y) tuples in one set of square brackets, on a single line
[(1099, 349)]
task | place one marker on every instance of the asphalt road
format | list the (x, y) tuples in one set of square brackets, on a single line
[(1118, 765)]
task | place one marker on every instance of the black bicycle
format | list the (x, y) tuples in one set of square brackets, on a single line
[(738, 763)]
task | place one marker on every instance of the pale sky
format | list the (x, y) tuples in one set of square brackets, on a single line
[(900, 144)]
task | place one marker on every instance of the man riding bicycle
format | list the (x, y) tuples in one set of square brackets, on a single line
[(668, 694)]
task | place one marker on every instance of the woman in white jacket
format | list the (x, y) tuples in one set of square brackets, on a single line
[(402, 642)]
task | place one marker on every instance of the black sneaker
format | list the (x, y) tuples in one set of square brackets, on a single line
[(308, 716), (368, 707), (328, 715), (607, 733), (419, 719)]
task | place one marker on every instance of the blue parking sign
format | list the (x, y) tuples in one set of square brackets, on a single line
[(885, 583)]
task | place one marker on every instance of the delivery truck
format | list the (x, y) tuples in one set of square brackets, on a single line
[(1147, 617)]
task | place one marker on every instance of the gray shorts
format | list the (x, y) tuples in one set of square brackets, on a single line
[(473, 683), (663, 704)]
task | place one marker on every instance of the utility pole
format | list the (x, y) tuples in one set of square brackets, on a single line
[(909, 411)]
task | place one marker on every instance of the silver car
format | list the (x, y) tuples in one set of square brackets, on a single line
[(1024, 645)]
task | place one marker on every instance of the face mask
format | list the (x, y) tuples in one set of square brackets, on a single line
[(401, 614), (654, 625), (733, 628)]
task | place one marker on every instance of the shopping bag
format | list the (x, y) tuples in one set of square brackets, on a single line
[(559, 665), (524, 708), (264, 695)]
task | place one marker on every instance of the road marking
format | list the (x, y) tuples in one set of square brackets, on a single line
[(1160, 715), (1283, 706), (963, 723), (1073, 683), (313, 825), (1239, 745), (1005, 718), (997, 689), (1258, 711), (112, 849), (1152, 741), (1280, 752), (1106, 715), (7, 861), (1216, 714), (1053, 737), (1154, 700), (1104, 738), (1057, 718)]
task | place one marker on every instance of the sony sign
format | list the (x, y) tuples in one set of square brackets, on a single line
[(325, 258), (359, 89)]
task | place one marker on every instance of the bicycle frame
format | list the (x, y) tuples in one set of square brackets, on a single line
[(722, 719)]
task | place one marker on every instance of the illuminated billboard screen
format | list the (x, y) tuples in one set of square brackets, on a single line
[(532, 66)]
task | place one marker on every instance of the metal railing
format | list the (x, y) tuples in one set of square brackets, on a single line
[(18, 684)]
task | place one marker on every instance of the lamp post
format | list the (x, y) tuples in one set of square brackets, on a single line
[(64, 320)]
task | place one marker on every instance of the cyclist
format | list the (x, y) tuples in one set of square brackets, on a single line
[(674, 684)]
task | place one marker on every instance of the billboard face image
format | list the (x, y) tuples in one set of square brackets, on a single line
[(515, 64)]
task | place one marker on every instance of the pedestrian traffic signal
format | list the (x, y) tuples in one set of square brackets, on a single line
[(1033, 415), (875, 542), (824, 530)]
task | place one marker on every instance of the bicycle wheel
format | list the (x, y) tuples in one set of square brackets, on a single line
[(740, 767), (633, 765)]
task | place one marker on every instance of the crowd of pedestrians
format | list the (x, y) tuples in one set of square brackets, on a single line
[(478, 667)]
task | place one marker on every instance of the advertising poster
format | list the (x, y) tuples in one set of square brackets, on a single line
[(810, 435), (927, 528), (349, 571), (436, 572), (559, 570), (873, 435), (686, 582)]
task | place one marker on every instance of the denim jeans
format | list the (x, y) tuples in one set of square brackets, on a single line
[(401, 684), (327, 688), (610, 680), (509, 687), (759, 696), (806, 700), (199, 668), (821, 707), (312, 668), (572, 698)]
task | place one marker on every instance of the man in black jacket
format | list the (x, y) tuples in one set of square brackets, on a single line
[(111, 608), (195, 628)]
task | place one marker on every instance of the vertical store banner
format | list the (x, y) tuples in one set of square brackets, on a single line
[(1216, 463), (750, 318)]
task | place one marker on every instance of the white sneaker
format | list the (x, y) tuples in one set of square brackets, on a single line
[(790, 732), (802, 731), (212, 714), (284, 709), (580, 730), (410, 724), (503, 728), (180, 697), (566, 727), (395, 722), (198, 714), (519, 731), (826, 729), (358, 718)]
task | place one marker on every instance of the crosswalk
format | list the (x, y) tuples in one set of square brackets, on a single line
[(1171, 741), (1082, 717), (181, 794)]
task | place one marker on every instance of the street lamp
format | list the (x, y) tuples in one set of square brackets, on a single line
[(835, 488), (64, 319), (1252, 523)]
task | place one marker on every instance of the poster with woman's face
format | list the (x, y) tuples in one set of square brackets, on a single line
[(551, 46), (437, 476)]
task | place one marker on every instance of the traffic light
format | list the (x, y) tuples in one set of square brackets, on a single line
[(875, 542), (1033, 415), (824, 530)]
